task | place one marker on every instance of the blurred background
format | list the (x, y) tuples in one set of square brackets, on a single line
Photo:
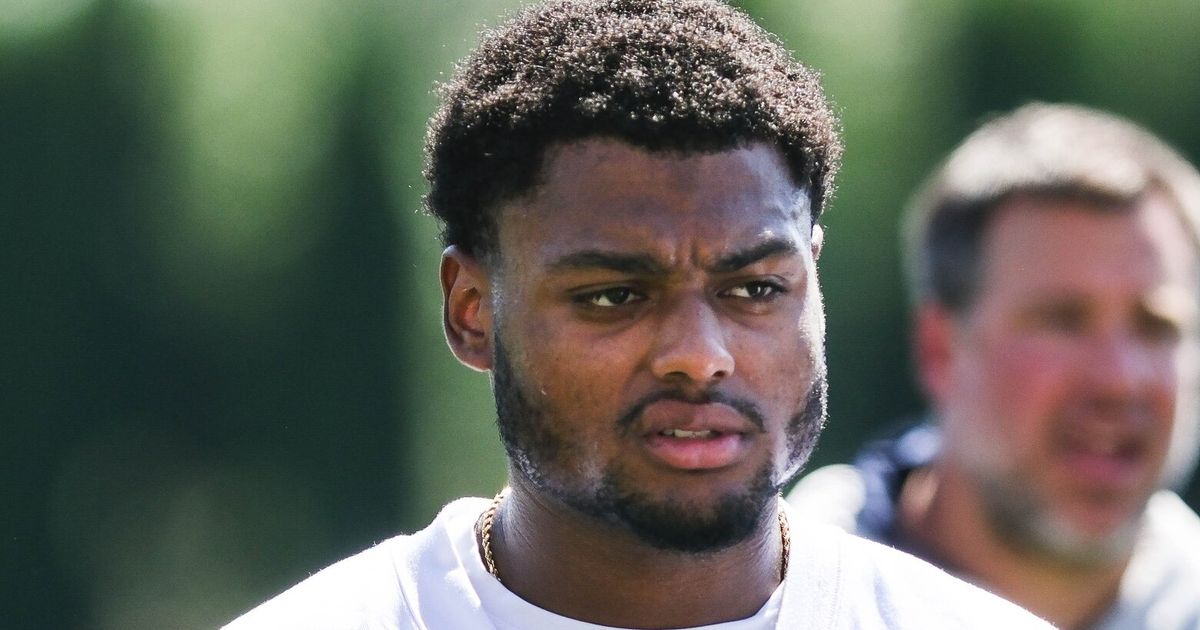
[(219, 315)]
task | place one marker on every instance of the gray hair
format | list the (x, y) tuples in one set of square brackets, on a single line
[(1041, 150)]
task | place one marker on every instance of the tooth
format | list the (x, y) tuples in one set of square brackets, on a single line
[(681, 433)]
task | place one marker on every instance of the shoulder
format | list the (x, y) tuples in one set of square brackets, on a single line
[(1169, 548), (369, 590), (347, 594), (876, 586), (1161, 587), (833, 494), (1169, 517), (860, 498)]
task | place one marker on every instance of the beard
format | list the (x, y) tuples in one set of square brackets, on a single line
[(538, 452), (1027, 522)]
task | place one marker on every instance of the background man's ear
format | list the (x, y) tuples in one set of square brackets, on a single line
[(933, 350), (467, 308)]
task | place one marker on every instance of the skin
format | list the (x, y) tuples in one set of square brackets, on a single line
[(623, 276), (1058, 392)]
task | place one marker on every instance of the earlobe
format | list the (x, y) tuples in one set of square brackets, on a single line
[(818, 240), (466, 308)]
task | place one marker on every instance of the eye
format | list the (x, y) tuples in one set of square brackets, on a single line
[(758, 290), (1060, 318), (1158, 328), (610, 298)]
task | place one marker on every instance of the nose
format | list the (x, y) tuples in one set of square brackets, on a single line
[(1121, 364), (690, 345)]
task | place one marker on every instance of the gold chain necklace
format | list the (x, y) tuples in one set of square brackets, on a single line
[(488, 519)]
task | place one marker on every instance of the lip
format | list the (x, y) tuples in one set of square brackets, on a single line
[(1113, 471), (726, 442), (1112, 459)]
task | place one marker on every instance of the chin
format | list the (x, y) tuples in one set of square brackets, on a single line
[(1076, 547), (702, 524), (1029, 523), (1079, 542)]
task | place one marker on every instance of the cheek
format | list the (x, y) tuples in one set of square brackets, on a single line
[(1176, 374), (571, 374), (1175, 391), (779, 369), (1186, 398), (1010, 391), (1027, 374), (1183, 441)]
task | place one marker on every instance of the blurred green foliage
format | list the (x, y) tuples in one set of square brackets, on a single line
[(223, 366)]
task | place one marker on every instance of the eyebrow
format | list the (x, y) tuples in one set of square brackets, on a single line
[(639, 264), (745, 257), (646, 265)]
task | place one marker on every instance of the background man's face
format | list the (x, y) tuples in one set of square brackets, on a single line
[(658, 341), (1066, 372)]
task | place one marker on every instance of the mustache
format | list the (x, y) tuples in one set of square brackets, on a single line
[(747, 409)]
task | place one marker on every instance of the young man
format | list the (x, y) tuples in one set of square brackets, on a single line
[(1056, 288), (630, 191)]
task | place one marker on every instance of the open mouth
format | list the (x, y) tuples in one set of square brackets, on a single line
[(695, 437), (689, 435), (694, 450), (1104, 457)]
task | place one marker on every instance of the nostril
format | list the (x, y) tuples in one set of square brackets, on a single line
[(696, 375)]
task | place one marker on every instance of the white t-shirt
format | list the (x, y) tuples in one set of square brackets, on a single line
[(435, 580), (1160, 589), (1161, 586)]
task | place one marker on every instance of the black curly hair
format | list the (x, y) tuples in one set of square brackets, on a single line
[(664, 75)]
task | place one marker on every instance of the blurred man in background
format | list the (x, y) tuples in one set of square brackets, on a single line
[(1056, 285), (630, 192)]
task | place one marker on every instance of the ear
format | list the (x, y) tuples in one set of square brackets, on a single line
[(467, 308), (934, 338), (818, 240)]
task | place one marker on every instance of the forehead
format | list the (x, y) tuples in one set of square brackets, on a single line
[(1068, 245), (603, 193)]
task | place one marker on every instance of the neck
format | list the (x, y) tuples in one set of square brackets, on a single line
[(577, 566), (942, 519)]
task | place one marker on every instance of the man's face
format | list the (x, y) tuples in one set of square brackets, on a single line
[(1065, 375), (658, 337)]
